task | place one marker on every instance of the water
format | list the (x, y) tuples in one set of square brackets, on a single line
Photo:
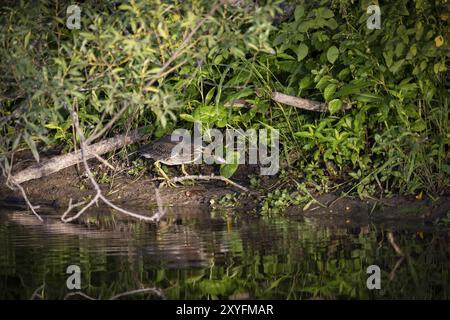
[(197, 254)]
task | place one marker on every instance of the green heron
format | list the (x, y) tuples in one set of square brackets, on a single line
[(161, 152)]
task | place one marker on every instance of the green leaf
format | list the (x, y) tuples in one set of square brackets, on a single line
[(305, 82), (367, 97), (187, 117), (324, 13), (335, 105), (210, 95), (329, 91), (302, 51), (32, 145), (304, 134), (229, 168), (27, 40), (439, 67), (332, 54), (240, 94), (396, 66), (299, 12), (419, 125), (323, 82), (353, 87)]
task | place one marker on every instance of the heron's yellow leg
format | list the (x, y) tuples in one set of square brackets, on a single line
[(183, 169), (163, 174)]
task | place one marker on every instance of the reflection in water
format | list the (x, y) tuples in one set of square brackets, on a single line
[(197, 255)]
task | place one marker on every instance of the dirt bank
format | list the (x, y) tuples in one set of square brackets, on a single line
[(137, 191)]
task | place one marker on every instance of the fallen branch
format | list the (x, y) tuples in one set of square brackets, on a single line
[(302, 103), (58, 163), (207, 178)]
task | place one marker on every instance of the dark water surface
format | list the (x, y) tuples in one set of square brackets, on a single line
[(197, 254)]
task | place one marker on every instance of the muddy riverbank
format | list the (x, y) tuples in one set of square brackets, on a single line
[(137, 191)]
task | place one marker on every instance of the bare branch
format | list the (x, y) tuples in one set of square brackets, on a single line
[(78, 293), (36, 294), (12, 184), (397, 249), (397, 265), (207, 178), (156, 291), (106, 163), (24, 195)]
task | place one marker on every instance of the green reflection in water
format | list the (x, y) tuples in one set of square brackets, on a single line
[(194, 255)]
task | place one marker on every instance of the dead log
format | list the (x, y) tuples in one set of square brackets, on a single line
[(58, 163), (302, 103)]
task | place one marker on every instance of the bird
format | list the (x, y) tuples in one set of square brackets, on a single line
[(161, 151)]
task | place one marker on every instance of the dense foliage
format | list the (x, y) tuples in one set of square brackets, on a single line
[(394, 138)]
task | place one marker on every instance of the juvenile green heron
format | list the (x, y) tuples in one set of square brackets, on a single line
[(161, 152)]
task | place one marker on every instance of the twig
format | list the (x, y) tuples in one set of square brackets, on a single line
[(397, 265), (78, 293), (397, 249), (156, 291), (207, 178), (24, 195), (36, 294), (106, 163), (10, 180)]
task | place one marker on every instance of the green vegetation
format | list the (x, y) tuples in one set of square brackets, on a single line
[(394, 138)]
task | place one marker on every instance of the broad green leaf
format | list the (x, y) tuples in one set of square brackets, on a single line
[(324, 13), (419, 125), (305, 82), (329, 91), (396, 66), (302, 51), (229, 168), (299, 12), (439, 67), (334, 105), (332, 54), (323, 82)]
